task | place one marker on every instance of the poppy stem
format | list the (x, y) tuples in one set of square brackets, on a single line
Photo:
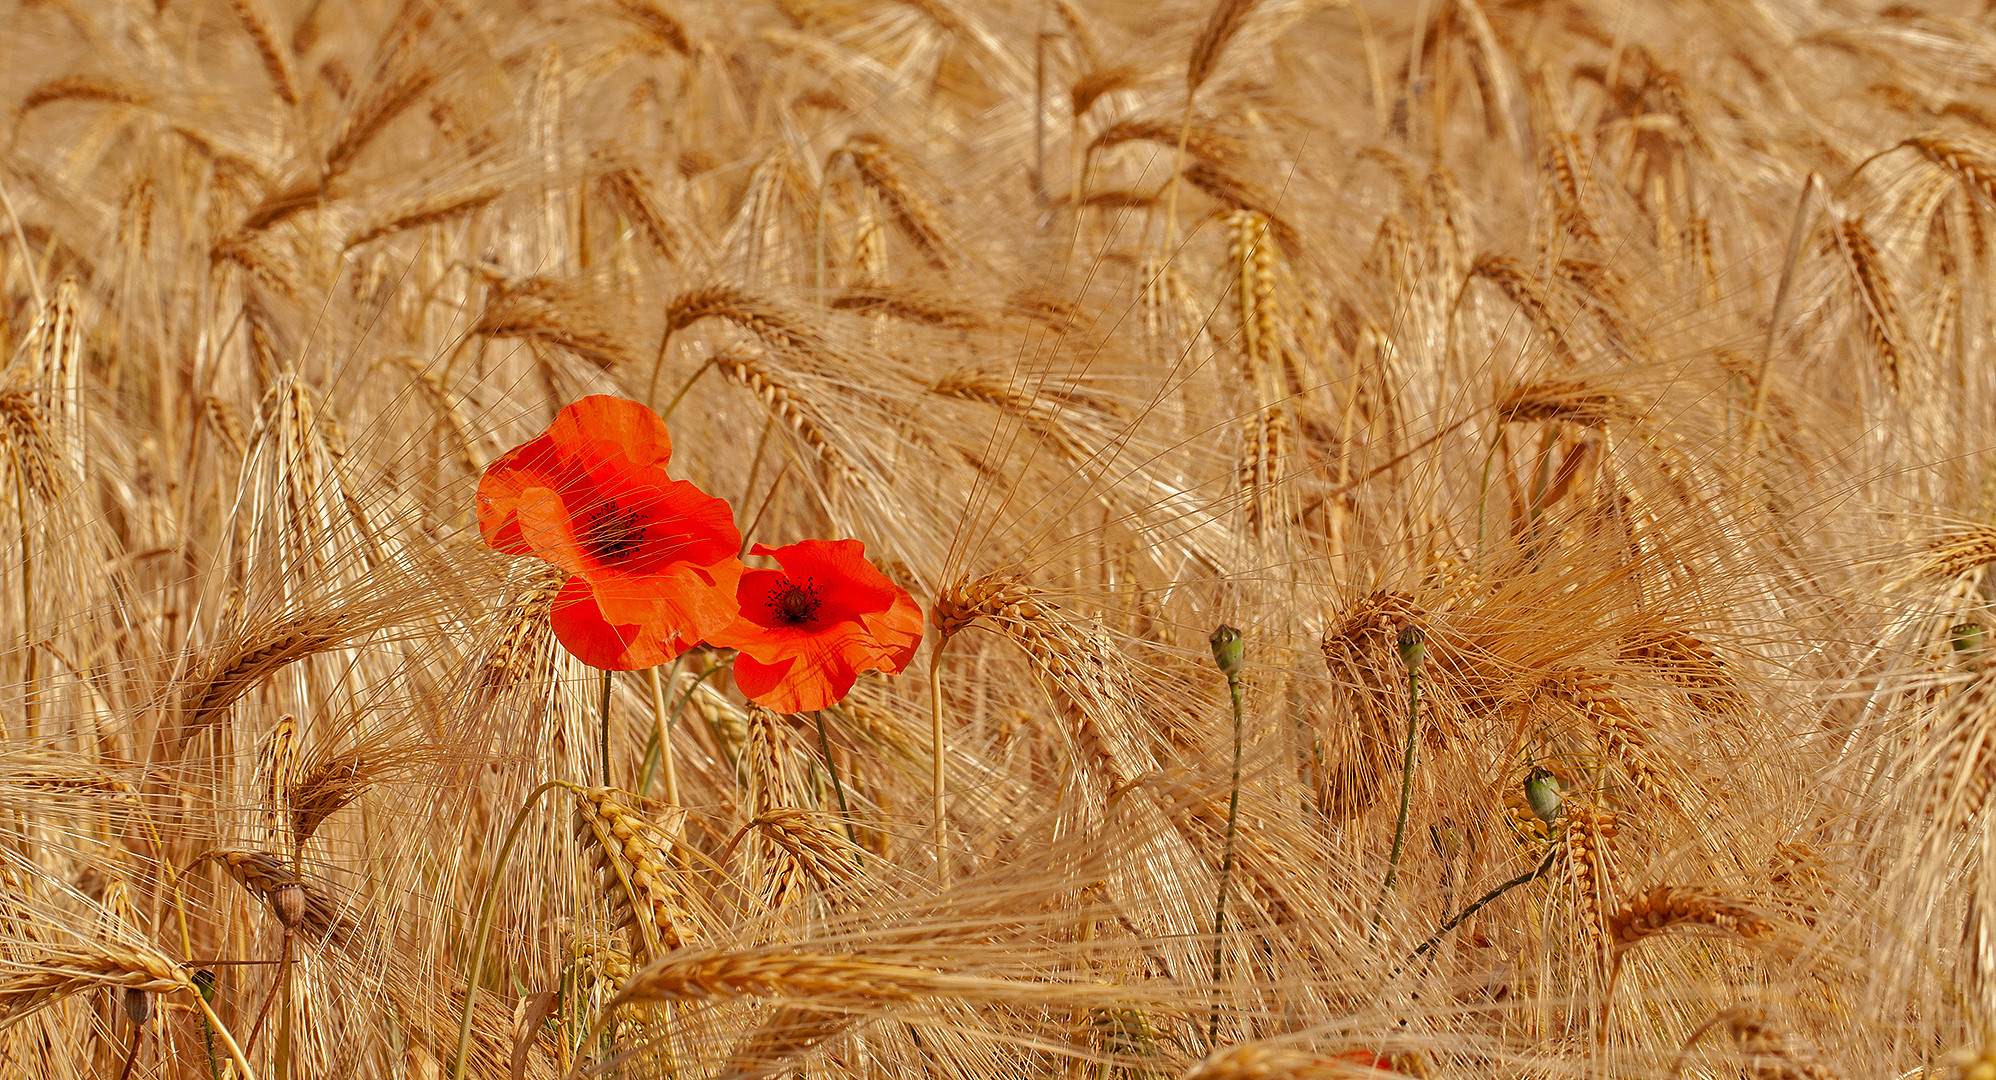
[(214, 1024), (132, 1058), (606, 727), (204, 985), (936, 734), (1412, 649), (1462, 916), (1227, 655), (666, 413), (484, 930), (283, 1065), (838, 789)]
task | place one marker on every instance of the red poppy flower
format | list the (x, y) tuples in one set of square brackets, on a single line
[(807, 631), (1366, 1059), (653, 558)]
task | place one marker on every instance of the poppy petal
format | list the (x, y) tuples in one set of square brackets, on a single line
[(545, 523), (755, 678), (793, 684), (899, 631), (523, 472), (757, 591), (599, 425), (689, 602), (859, 587), (658, 522), (582, 629), (855, 620)]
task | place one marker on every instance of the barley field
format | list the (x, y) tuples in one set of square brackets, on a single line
[(1452, 538)]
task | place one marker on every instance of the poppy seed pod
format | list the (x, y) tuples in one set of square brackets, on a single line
[(1228, 652), (1413, 646), (138, 1005), (1542, 792), (288, 901)]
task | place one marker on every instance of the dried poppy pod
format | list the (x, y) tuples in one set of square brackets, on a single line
[(288, 901), (138, 1005)]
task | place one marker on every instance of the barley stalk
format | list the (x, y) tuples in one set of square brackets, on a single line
[(751, 370), (276, 60), (433, 210)]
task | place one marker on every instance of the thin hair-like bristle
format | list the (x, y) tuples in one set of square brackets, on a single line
[(654, 20), (1969, 161), (1531, 298), (751, 370), (48, 976), (1572, 401), (1201, 142), (908, 305), (1095, 84), (884, 173), (553, 312)]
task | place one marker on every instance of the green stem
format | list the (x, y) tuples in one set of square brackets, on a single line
[(485, 923), (228, 1040), (1226, 866), (1406, 794), (652, 751), (204, 985), (1461, 916), (606, 727), (666, 413), (825, 745)]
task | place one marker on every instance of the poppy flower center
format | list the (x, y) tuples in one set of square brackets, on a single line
[(794, 604), (614, 533)]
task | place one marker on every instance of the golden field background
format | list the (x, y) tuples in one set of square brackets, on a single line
[(1635, 354)]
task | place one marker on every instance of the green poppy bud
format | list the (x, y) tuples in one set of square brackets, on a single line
[(204, 981), (1413, 646), (1228, 652), (1968, 637), (1542, 792)]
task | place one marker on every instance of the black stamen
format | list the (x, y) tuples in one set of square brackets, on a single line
[(614, 534), (794, 603)]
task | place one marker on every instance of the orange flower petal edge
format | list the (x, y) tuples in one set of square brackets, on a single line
[(596, 430), (582, 629), (655, 557), (807, 631)]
